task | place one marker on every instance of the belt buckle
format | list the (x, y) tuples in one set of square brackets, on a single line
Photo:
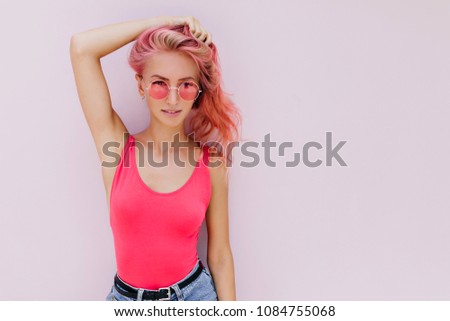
[(168, 294)]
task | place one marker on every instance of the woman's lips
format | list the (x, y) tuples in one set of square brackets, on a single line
[(171, 113)]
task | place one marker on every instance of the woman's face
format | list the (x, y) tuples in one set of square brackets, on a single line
[(174, 68)]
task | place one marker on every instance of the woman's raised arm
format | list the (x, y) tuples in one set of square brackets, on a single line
[(86, 49), (103, 40)]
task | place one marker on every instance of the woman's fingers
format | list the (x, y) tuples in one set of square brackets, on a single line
[(195, 28), (208, 38), (203, 36)]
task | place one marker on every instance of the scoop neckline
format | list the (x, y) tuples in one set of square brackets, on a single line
[(148, 188)]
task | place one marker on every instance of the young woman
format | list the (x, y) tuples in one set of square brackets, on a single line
[(157, 204)]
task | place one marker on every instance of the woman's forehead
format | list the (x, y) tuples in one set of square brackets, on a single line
[(171, 65)]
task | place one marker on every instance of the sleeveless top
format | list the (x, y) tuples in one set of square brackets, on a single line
[(156, 234)]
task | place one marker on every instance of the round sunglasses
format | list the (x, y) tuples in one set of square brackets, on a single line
[(159, 89)]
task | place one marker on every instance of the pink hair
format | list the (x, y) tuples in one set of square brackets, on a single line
[(215, 112)]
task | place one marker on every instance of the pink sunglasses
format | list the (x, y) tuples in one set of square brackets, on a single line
[(159, 89)]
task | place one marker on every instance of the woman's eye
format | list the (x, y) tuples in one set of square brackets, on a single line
[(159, 83), (188, 84)]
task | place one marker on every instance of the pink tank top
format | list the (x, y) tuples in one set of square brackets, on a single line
[(156, 234)]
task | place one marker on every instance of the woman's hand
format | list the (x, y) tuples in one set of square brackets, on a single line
[(194, 26)]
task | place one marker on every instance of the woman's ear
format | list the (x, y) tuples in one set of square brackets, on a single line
[(138, 78), (196, 104)]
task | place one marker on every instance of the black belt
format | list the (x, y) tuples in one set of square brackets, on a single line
[(160, 294)]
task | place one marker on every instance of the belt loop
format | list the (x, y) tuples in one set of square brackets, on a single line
[(177, 289), (139, 294)]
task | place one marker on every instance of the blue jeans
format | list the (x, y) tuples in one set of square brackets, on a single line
[(201, 289)]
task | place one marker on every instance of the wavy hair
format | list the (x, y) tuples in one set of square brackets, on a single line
[(215, 113)]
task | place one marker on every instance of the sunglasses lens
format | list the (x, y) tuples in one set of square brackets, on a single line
[(188, 90), (158, 90)]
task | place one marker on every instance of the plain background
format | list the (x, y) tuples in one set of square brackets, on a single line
[(374, 73)]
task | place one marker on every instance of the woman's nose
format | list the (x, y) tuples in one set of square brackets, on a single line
[(173, 95)]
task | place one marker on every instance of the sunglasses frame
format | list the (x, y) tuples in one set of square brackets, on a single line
[(170, 88)]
